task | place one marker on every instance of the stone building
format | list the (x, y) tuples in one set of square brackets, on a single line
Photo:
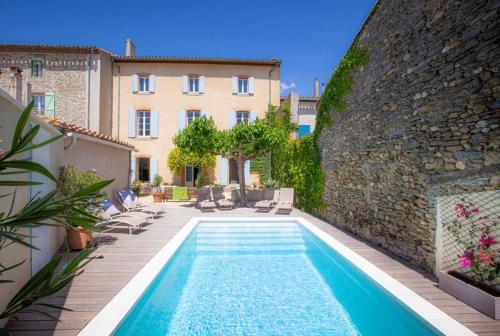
[(422, 121), (72, 83), (303, 110)]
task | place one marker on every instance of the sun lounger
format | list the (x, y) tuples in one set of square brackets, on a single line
[(285, 203), (220, 199), (113, 218), (268, 201), (129, 200), (203, 200)]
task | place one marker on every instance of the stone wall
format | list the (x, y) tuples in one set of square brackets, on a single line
[(422, 117), (64, 74)]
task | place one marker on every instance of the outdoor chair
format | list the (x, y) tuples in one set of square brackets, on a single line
[(114, 218), (269, 199), (285, 203), (220, 199), (129, 201), (203, 200)]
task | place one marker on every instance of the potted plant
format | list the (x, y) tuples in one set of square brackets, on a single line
[(78, 230), (157, 195), (478, 260)]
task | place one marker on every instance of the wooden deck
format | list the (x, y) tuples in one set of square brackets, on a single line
[(123, 255)]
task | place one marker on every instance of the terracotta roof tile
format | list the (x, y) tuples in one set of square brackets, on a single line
[(68, 127)]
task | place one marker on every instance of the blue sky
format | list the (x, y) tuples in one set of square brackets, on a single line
[(310, 37)]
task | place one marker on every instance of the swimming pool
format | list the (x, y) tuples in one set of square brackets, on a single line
[(265, 277)]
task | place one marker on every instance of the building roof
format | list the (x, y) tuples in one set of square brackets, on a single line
[(74, 49), (200, 60), (68, 127)]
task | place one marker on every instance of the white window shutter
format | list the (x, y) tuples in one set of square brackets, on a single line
[(152, 83), (185, 84), (154, 123), (251, 85), (181, 119), (135, 83), (235, 85), (253, 116), (204, 113), (132, 169), (153, 168), (231, 119), (247, 172), (202, 84), (223, 170), (131, 123)]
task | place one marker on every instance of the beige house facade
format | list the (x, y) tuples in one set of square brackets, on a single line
[(156, 97), (71, 83)]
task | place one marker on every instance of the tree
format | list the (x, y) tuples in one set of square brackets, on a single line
[(243, 142)]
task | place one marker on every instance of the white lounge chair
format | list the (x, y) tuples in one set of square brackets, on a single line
[(285, 203), (129, 200), (113, 218)]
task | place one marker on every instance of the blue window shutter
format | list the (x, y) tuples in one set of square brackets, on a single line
[(154, 123), (223, 170), (231, 119), (153, 168), (185, 83), (251, 85), (304, 130), (235, 85), (253, 116), (132, 169), (152, 83), (202, 84), (50, 104), (135, 83), (204, 113), (131, 123), (181, 119), (247, 172)]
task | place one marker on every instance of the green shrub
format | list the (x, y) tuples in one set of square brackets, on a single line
[(202, 180), (157, 181)]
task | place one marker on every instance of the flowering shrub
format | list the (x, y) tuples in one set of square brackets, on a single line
[(478, 255)]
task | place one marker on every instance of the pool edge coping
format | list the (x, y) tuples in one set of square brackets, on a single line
[(109, 318)]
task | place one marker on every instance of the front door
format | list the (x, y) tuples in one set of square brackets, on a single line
[(233, 171), (191, 173)]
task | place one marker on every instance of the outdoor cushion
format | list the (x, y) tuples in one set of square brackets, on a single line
[(180, 193)]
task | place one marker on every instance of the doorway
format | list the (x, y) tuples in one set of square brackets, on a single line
[(233, 171), (143, 169), (191, 174)]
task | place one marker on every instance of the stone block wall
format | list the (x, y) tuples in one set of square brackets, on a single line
[(422, 118)]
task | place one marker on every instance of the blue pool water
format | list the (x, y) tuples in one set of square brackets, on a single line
[(265, 278)]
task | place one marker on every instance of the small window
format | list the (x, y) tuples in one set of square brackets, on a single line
[(194, 84), (143, 169), (143, 123), (38, 103), (192, 116), (36, 68), (242, 117), (243, 85), (304, 130), (143, 83)]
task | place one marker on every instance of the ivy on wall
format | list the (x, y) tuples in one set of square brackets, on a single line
[(262, 166), (297, 163)]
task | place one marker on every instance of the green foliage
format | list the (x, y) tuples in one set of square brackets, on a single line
[(202, 180), (262, 165), (157, 181), (178, 159), (339, 85), (137, 187)]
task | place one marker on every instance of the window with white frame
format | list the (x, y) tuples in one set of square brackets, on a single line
[(38, 103), (242, 85), (143, 83), (194, 84), (37, 67), (242, 117), (192, 116), (143, 123)]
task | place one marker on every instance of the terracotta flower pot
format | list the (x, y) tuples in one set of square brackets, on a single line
[(78, 239), (158, 197)]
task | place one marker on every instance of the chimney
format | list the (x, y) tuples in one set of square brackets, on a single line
[(316, 88), (129, 48)]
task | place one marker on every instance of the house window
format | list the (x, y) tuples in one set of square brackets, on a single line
[(243, 85), (36, 68), (192, 116), (38, 103), (194, 84), (304, 130), (143, 169), (242, 117), (143, 123), (143, 83)]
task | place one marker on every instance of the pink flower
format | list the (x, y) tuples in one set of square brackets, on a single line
[(463, 213), (458, 207), (475, 210), (486, 241), (465, 262)]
